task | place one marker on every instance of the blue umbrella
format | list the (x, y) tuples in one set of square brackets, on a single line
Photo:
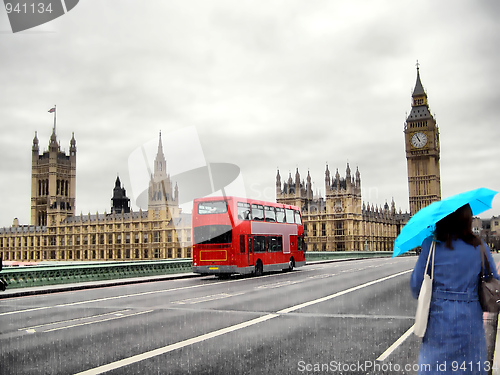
[(422, 224)]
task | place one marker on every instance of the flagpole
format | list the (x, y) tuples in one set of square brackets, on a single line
[(55, 119)]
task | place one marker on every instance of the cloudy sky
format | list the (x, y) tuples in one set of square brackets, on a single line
[(260, 84)]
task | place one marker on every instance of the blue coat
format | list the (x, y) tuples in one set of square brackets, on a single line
[(454, 339)]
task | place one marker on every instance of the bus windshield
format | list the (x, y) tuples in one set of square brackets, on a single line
[(213, 234), (212, 207)]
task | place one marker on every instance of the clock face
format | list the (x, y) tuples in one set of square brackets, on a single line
[(419, 140)]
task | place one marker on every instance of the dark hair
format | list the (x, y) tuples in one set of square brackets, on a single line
[(457, 225)]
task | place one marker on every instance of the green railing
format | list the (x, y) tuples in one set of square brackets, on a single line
[(20, 277), (67, 273)]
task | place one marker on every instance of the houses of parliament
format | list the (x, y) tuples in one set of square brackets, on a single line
[(339, 221)]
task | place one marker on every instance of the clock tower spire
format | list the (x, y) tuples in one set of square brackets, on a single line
[(422, 151)]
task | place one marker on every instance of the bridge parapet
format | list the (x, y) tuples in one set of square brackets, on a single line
[(31, 276)]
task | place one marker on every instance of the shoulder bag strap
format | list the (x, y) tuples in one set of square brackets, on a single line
[(485, 264), (431, 253), (433, 247)]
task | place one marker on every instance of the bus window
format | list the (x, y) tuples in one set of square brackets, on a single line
[(259, 244), (280, 215), (212, 207), (244, 211), (270, 214), (298, 220), (242, 243), (257, 212), (274, 243), (271, 243), (289, 216), (300, 243)]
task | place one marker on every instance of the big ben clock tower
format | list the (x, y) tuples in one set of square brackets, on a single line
[(422, 151)]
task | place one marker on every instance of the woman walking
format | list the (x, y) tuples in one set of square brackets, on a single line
[(454, 342)]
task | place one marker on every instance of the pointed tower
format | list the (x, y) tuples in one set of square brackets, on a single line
[(278, 185), (53, 182), (309, 192), (328, 180), (422, 151), (161, 197), (348, 178), (120, 203), (297, 181), (358, 181)]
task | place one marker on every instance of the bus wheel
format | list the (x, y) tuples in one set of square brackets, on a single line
[(259, 268), (291, 264)]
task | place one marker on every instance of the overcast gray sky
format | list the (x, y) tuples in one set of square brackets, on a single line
[(264, 84)]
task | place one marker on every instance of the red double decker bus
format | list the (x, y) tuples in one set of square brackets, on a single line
[(243, 236)]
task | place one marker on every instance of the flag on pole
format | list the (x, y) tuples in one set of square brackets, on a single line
[(52, 110)]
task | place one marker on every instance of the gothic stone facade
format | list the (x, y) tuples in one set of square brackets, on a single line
[(340, 221), (55, 233)]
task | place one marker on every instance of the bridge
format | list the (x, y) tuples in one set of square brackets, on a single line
[(331, 316)]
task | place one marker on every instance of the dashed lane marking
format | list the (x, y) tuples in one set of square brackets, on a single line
[(78, 322), (190, 301)]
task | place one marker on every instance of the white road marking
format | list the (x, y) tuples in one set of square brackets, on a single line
[(190, 301), (277, 285), (153, 353), (98, 321), (323, 276), (396, 344), (72, 320)]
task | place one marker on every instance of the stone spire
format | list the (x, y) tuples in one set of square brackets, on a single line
[(327, 180), (419, 89), (35, 144), (53, 145), (160, 162), (309, 192), (278, 183)]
